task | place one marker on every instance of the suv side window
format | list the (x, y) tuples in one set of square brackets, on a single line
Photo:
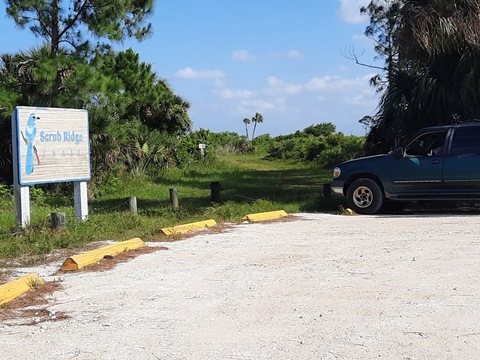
[(466, 141), (429, 144)]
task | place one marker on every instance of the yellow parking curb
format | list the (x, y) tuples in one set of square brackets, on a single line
[(15, 288), (188, 227), (265, 216), (79, 261)]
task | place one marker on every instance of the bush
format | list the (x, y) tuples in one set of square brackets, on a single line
[(345, 148), (317, 143)]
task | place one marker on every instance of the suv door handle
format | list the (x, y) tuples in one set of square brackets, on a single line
[(435, 162)]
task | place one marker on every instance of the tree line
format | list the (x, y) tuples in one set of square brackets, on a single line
[(134, 114), (319, 144), (431, 66), (430, 75)]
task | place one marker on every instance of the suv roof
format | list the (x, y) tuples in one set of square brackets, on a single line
[(470, 122), (466, 123)]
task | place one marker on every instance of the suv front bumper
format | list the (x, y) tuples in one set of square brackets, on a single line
[(337, 187)]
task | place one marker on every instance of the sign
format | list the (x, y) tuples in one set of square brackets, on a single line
[(52, 145)]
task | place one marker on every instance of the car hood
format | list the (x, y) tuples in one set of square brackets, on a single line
[(365, 158)]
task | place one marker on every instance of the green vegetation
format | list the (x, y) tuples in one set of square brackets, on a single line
[(140, 132), (249, 184), (431, 66), (135, 117), (285, 172), (319, 143)]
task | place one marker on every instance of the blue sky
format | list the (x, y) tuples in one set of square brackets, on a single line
[(231, 59)]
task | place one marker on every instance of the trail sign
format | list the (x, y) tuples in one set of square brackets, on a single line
[(50, 145)]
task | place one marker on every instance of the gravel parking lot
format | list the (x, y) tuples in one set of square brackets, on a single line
[(320, 287)]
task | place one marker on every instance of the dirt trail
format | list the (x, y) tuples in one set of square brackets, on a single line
[(321, 287)]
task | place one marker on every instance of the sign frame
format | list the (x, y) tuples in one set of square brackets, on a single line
[(61, 143)]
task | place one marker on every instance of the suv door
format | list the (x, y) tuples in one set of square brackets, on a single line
[(420, 170), (462, 163)]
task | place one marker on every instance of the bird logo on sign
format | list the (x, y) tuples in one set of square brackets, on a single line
[(29, 138)]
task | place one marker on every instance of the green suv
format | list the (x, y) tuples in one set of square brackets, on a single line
[(438, 163)]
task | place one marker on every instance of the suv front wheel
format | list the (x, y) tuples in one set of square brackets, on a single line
[(365, 196)]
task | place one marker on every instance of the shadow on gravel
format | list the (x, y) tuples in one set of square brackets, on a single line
[(434, 208)]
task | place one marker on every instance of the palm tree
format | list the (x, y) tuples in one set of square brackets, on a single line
[(257, 119), (246, 121), (437, 74)]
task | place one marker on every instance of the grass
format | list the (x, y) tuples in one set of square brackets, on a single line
[(248, 185)]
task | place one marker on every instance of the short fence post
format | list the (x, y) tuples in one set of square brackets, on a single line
[(132, 205), (327, 191), (174, 199), (58, 220), (215, 191)]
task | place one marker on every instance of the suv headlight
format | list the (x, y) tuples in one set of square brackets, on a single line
[(336, 172)]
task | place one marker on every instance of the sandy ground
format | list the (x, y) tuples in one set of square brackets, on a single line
[(321, 287)]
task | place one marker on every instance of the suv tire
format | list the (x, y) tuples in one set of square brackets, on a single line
[(365, 196)]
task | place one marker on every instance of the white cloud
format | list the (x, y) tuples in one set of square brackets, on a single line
[(325, 84), (278, 87), (259, 104), (362, 40), (226, 93), (336, 83), (189, 73), (367, 97), (360, 37), (327, 98), (350, 11), (248, 107), (242, 55), (219, 84), (294, 54), (234, 94)]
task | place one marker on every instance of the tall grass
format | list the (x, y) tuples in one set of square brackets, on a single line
[(249, 184)]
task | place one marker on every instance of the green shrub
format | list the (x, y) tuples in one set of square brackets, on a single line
[(317, 143), (346, 148)]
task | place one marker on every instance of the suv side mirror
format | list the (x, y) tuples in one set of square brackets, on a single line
[(398, 153)]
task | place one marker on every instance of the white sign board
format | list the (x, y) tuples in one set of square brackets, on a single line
[(52, 145)]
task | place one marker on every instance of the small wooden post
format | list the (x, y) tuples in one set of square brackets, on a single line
[(58, 220), (327, 191), (174, 199), (132, 205), (215, 191)]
